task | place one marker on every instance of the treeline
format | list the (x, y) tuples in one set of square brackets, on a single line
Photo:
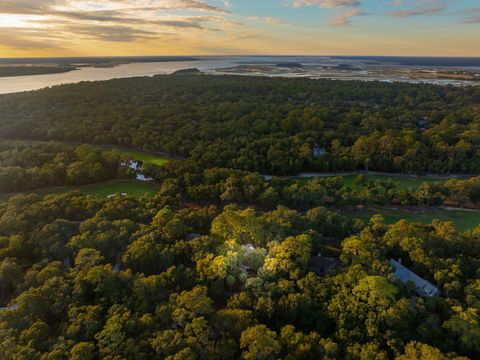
[(26, 166), (224, 186), (87, 278), (279, 126), (7, 71)]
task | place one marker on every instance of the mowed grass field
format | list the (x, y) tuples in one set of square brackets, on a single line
[(133, 188), (463, 220), (403, 182), (146, 158)]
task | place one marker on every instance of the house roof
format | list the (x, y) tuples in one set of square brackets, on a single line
[(404, 275), (320, 265)]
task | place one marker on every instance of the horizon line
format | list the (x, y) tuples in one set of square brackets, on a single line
[(238, 55)]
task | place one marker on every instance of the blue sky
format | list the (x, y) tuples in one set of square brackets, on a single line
[(193, 27)]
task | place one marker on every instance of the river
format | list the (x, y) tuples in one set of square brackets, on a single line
[(316, 67), (35, 82)]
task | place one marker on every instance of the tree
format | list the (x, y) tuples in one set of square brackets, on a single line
[(10, 277), (465, 323), (83, 351), (289, 258), (259, 343), (191, 304), (417, 350)]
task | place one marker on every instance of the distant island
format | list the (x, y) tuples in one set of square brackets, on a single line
[(41, 66), (95, 60), (9, 71), (186, 71), (289, 65)]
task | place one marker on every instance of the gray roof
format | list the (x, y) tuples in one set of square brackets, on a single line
[(318, 151), (322, 265), (404, 275), (9, 308), (192, 236)]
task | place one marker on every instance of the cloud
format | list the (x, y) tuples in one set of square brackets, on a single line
[(108, 20), (45, 7), (110, 33), (30, 7), (28, 39), (341, 19), (324, 3), (472, 20), (420, 7), (267, 19), (344, 19), (473, 16)]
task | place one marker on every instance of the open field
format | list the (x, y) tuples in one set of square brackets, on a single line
[(403, 182), (464, 220), (136, 189), (145, 157)]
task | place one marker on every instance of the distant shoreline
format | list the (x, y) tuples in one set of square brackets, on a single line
[(94, 61), (440, 61), (14, 71)]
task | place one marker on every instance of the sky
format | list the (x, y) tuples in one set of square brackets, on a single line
[(35, 28)]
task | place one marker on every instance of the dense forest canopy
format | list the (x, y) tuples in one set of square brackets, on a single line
[(267, 125), (223, 262), (120, 278), (28, 166)]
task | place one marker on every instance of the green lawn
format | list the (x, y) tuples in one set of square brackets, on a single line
[(464, 220), (147, 158), (136, 189), (401, 181)]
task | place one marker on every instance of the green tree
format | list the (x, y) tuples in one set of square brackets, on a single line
[(259, 342)]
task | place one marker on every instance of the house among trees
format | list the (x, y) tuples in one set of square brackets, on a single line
[(321, 265), (192, 236), (422, 123), (404, 275), (9, 308), (318, 151)]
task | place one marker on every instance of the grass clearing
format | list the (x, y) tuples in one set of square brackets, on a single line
[(133, 188), (146, 158), (402, 182), (463, 220)]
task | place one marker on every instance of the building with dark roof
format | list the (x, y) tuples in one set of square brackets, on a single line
[(321, 265)]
